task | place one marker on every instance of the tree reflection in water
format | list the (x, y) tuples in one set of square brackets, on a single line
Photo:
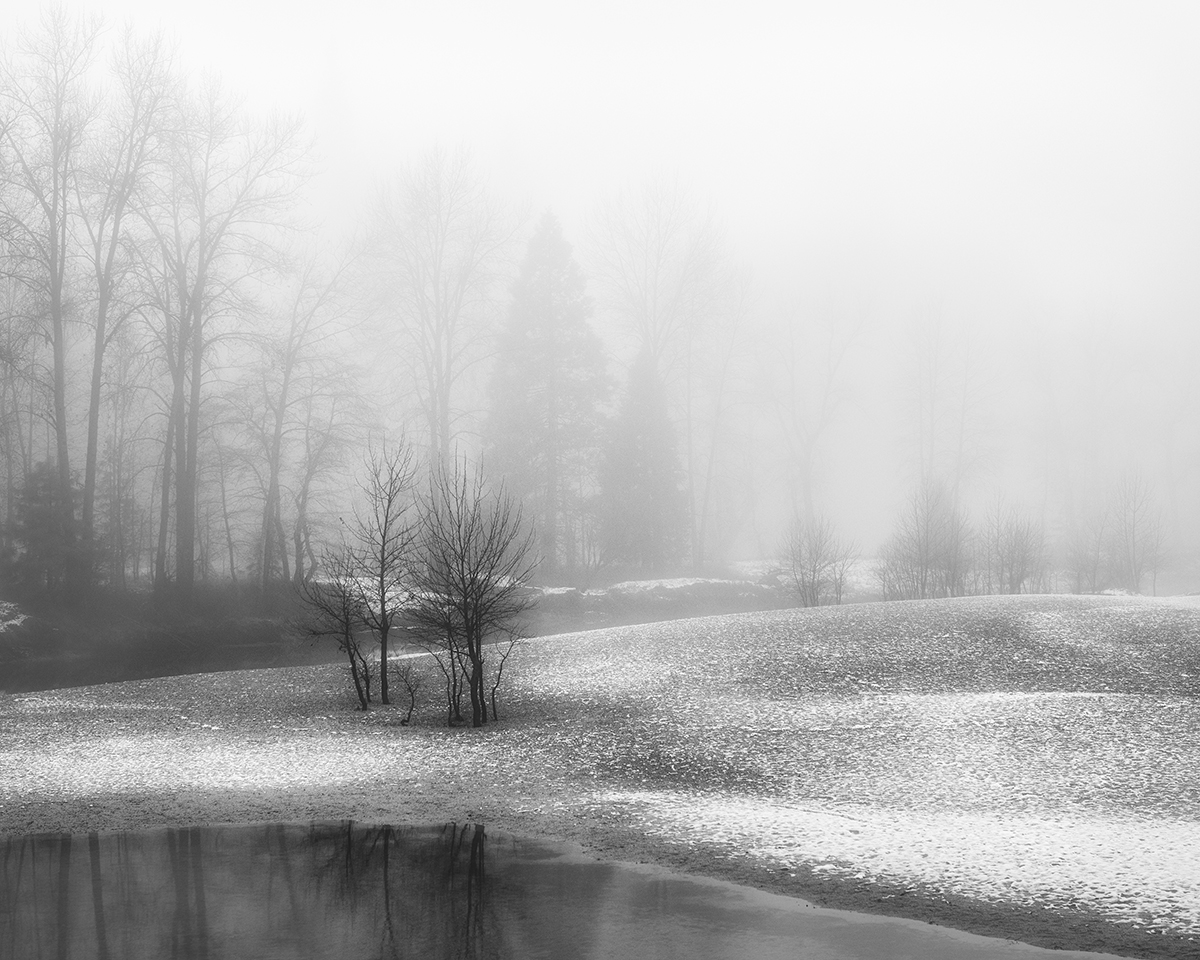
[(348, 890), (320, 890)]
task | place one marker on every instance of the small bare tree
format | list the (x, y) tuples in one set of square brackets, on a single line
[(1086, 552), (1135, 532), (474, 555), (1117, 546), (818, 561), (1012, 551), (334, 603), (385, 529), (929, 553)]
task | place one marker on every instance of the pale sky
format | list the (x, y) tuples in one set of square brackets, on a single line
[(1045, 151)]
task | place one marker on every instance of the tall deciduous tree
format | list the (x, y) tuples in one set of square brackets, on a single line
[(663, 272), (226, 183), (289, 377), (542, 432), (108, 180), (804, 365), (46, 111), (643, 505), (441, 239)]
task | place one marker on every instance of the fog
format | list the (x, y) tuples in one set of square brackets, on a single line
[(943, 242)]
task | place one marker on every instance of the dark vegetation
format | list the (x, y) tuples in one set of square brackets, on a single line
[(125, 636)]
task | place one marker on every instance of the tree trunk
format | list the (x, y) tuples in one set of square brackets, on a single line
[(384, 628), (164, 514), (93, 426)]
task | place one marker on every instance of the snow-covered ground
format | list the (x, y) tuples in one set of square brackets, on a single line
[(1033, 751)]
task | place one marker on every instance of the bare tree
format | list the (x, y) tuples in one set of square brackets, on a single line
[(662, 270), (224, 188), (334, 602), (1136, 532), (385, 531), (474, 557), (18, 389), (929, 552), (105, 189), (46, 111), (659, 263), (1012, 551), (1087, 551), (440, 245), (818, 561), (288, 375), (804, 376), (945, 388)]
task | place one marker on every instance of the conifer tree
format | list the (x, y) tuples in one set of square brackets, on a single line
[(645, 519), (543, 427)]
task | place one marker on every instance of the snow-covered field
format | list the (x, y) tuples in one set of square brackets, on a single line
[(1039, 751), (1031, 752)]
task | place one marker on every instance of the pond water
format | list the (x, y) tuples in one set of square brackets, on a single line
[(354, 891)]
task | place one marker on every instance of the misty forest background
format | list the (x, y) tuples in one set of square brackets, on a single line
[(193, 372)]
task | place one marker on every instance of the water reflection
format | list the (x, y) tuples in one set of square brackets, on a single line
[(321, 890), (359, 892)]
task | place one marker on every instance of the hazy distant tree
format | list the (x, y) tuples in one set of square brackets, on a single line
[(49, 551), (45, 110), (385, 528), (719, 413), (1117, 545), (19, 345), (543, 428), (818, 561), (226, 181), (1012, 551), (124, 459), (804, 375), (659, 264), (289, 373), (1135, 531), (119, 160), (439, 245), (662, 270), (328, 421), (643, 506), (475, 555), (929, 552), (1087, 551), (945, 417)]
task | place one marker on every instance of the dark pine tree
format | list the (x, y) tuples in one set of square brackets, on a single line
[(543, 428), (50, 557), (644, 507)]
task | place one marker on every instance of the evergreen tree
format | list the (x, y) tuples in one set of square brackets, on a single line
[(49, 552), (644, 505), (543, 427)]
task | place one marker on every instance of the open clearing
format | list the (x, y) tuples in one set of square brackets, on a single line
[(1023, 767)]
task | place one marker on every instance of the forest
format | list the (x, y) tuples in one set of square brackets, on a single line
[(194, 374)]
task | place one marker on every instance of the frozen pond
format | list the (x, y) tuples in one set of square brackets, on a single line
[(330, 890)]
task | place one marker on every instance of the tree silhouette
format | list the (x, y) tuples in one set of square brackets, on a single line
[(543, 428), (644, 508)]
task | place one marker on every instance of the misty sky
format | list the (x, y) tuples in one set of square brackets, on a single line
[(1043, 152), (1027, 173)]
